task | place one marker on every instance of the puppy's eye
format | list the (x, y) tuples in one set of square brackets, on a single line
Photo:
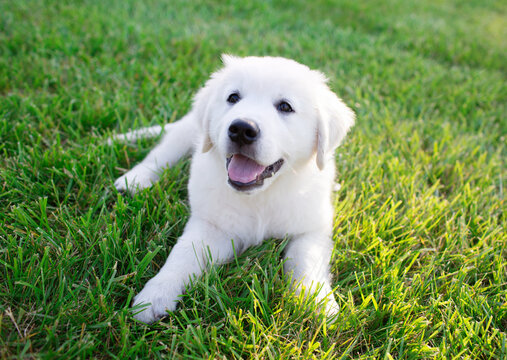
[(284, 107), (233, 98)]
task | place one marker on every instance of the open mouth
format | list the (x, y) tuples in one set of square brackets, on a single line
[(246, 174)]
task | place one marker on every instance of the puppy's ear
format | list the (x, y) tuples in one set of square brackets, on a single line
[(204, 98), (333, 122), (201, 106)]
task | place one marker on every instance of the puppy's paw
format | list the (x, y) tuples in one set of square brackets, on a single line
[(154, 301), (135, 180), (331, 308)]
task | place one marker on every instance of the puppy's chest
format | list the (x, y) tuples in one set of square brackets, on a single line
[(255, 220), (287, 207)]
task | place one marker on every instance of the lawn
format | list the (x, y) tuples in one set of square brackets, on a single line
[(419, 262)]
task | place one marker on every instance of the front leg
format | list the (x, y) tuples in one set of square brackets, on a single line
[(307, 257), (147, 172), (141, 176), (188, 258), (176, 143)]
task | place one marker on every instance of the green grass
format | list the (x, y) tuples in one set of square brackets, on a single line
[(420, 243)]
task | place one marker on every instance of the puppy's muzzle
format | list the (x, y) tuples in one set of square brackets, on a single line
[(244, 132)]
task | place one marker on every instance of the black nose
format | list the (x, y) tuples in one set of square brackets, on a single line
[(244, 132)]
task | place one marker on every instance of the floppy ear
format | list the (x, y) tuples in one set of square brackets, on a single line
[(203, 99), (201, 107), (334, 120)]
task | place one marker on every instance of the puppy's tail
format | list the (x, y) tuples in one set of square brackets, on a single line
[(132, 136), (179, 140)]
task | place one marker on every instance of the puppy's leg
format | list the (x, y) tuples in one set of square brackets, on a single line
[(307, 257), (189, 257), (177, 142)]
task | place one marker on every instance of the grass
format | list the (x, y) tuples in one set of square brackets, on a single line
[(420, 257)]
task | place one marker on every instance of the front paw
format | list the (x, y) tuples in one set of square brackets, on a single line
[(154, 301), (135, 180), (331, 308)]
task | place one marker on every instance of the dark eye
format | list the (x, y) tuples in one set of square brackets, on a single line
[(233, 98), (284, 107)]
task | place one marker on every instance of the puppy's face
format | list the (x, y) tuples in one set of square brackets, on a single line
[(267, 117)]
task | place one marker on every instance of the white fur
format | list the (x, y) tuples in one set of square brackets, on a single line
[(295, 202), (131, 136)]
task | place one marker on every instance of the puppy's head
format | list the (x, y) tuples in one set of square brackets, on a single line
[(267, 116)]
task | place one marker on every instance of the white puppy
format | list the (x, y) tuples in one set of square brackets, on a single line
[(262, 131)]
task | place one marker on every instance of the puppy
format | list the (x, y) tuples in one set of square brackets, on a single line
[(262, 133)]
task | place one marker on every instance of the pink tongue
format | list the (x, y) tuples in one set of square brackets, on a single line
[(243, 169)]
